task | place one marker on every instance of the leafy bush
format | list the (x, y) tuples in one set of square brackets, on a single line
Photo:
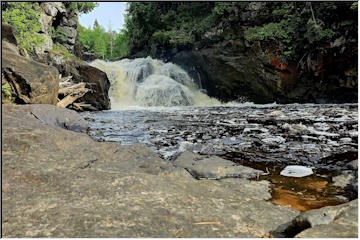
[(24, 17), (82, 7), (61, 50), (6, 90)]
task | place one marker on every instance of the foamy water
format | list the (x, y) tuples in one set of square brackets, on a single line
[(146, 82)]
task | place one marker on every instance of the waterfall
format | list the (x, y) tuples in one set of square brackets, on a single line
[(151, 82)]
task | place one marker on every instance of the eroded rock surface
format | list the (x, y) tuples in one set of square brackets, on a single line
[(213, 167), (60, 183), (31, 82), (328, 222)]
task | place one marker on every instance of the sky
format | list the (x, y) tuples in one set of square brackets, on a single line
[(105, 13)]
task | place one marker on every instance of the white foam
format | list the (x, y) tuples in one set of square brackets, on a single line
[(148, 82)]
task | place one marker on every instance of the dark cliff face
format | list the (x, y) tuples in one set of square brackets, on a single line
[(228, 66)]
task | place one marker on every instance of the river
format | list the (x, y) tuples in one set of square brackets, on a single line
[(157, 104)]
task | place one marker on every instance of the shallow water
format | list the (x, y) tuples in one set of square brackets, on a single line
[(266, 137)]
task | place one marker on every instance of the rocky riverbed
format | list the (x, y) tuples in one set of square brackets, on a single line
[(267, 137), (59, 182)]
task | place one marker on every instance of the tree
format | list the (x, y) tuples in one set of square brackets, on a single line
[(96, 24)]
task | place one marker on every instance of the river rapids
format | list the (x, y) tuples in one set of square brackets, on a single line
[(157, 104)]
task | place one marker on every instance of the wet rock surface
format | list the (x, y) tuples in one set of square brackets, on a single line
[(60, 183), (264, 137), (306, 134)]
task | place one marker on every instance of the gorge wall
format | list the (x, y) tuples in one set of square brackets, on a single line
[(264, 52)]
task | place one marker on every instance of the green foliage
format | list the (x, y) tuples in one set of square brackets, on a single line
[(354, 6), (177, 24), (6, 90), (81, 7), (294, 27), (291, 30), (97, 40), (173, 37), (61, 50), (24, 17)]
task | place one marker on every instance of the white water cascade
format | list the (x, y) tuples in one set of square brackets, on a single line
[(150, 82)]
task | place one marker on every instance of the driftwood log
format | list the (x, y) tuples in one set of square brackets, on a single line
[(70, 92)]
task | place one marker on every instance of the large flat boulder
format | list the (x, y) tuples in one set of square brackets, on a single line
[(60, 183), (31, 82)]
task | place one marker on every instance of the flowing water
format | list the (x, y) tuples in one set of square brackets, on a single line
[(150, 82), (159, 105)]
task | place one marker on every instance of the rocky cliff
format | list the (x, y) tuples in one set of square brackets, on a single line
[(28, 73), (265, 52)]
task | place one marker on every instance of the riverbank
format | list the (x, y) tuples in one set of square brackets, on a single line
[(61, 183)]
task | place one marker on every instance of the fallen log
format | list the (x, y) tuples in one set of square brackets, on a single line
[(72, 88), (81, 106), (70, 92)]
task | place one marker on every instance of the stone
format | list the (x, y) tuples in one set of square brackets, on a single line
[(353, 165), (42, 50), (345, 140), (336, 222), (51, 116), (339, 221), (60, 183), (274, 141), (96, 80), (214, 167), (295, 129), (100, 85), (10, 47), (8, 33), (45, 21), (33, 82), (64, 32), (52, 8), (87, 56), (72, 21), (343, 179)]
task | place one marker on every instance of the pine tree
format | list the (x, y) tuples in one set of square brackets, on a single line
[(96, 24)]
